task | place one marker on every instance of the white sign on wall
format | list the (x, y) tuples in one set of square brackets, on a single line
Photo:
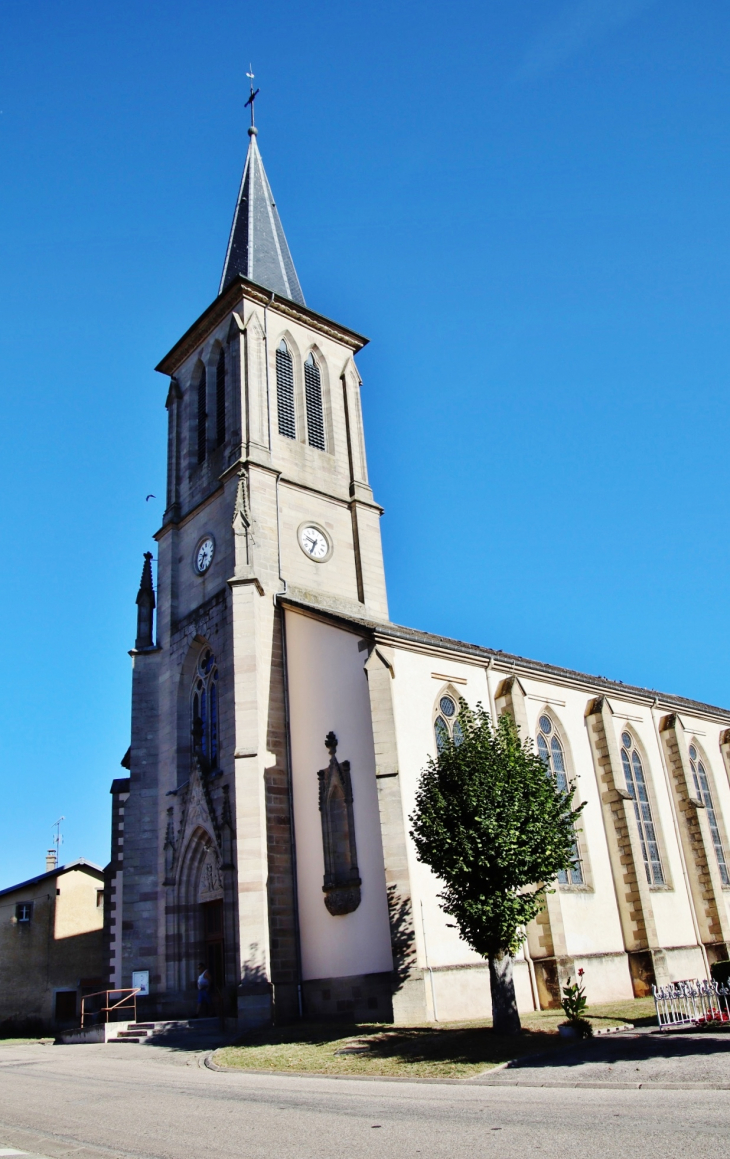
[(141, 978)]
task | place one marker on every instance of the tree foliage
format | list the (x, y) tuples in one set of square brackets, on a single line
[(491, 822)]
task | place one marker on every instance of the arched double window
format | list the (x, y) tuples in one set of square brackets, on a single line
[(313, 398), (702, 789), (550, 749), (446, 725), (204, 707), (636, 786), (285, 392), (220, 400), (201, 418)]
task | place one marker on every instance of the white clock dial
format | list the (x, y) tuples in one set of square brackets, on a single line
[(314, 542), (204, 554)]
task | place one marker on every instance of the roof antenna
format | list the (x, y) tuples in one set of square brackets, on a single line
[(58, 839), (253, 131)]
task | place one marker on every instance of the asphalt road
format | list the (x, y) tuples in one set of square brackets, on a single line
[(99, 1101)]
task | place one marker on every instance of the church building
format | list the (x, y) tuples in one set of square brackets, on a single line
[(280, 720)]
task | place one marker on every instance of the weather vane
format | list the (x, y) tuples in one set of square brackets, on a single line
[(253, 96)]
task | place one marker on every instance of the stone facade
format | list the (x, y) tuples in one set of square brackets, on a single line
[(262, 649)]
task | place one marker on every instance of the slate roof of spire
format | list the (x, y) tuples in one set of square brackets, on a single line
[(257, 247)]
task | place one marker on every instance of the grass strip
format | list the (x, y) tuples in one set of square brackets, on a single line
[(430, 1050)]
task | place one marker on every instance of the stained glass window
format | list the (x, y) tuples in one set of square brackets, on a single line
[(636, 786), (702, 791), (204, 708), (446, 725), (550, 750)]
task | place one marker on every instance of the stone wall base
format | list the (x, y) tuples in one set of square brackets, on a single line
[(359, 998)]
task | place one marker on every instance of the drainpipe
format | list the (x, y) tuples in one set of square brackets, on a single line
[(292, 832), (430, 971)]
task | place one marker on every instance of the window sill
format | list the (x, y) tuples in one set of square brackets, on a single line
[(575, 888)]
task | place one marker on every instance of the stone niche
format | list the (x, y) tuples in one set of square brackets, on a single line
[(342, 882)]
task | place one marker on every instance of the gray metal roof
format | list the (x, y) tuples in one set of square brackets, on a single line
[(257, 247), (80, 863)]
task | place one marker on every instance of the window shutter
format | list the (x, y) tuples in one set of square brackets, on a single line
[(285, 392), (220, 400), (313, 393), (202, 416)]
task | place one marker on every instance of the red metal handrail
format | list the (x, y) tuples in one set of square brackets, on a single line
[(128, 1001)]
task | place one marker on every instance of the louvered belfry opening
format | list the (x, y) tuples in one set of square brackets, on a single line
[(220, 400), (202, 419), (313, 394), (285, 392)]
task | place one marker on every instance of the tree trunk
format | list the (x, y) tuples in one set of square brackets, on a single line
[(505, 1018)]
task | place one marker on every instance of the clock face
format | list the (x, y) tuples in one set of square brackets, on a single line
[(314, 542), (204, 554)]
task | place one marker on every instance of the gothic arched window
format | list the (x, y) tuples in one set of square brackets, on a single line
[(702, 789), (220, 400), (204, 708), (202, 418), (313, 396), (285, 392), (550, 749), (637, 788), (446, 725)]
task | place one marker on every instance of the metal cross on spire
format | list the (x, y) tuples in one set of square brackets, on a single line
[(253, 95)]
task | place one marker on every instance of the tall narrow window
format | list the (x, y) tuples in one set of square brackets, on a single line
[(285, 392), (202, 419), (551, 752), (446, 725), (220, 400), (204, 708), (702, 789), (636, 786), (313, 393)]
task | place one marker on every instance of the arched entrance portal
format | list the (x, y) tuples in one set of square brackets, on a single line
[(201, 929)]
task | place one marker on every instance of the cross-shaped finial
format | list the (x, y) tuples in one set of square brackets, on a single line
[(253, 95)]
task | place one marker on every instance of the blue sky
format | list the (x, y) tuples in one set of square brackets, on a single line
[(525, 206)]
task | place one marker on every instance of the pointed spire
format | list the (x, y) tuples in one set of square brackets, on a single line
[(257, 246), (145, 606)]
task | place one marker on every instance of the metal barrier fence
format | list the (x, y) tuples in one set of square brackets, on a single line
[(691, 1003)]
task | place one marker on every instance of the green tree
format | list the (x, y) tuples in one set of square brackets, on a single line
[(492, 824)]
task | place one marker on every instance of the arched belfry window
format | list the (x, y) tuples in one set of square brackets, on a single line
[(285, 392), (204, 708), (550, 748), (637, 788), (446, 724), (702, 790), (201, 418), (220, 400), (313, 395)]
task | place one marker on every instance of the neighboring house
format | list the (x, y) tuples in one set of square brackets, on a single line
[(51, 944)]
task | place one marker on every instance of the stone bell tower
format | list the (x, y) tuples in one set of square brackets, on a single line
[(267, 494)]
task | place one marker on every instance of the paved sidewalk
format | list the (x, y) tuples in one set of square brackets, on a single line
[(684, 1061)]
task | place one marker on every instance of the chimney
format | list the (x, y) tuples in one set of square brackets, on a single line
[(50, 860)]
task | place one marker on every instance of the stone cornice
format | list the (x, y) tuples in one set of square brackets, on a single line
[(383, 632), (225, 303)]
